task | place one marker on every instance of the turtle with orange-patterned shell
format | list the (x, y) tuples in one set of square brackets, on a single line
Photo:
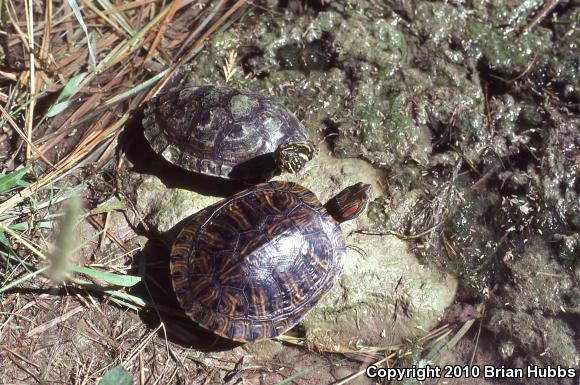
[(252, 265)]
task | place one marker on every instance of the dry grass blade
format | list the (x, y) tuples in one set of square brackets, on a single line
[(141, 346), (8, 75), (546, 9), (127, 6), (104, 17), (162, 28), (216, 8), (32, 78), (10, 9), (118, 17), (441, 349), (191, 52), (435, 333), (122, 50), (23, 135), (361, 372), (91, 141), (23, 241), (110, 235), (237, 5), (53, 322), (45, 48), (229, 67)]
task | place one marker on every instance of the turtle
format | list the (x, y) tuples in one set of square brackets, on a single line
[(250, 266), (226, 132)]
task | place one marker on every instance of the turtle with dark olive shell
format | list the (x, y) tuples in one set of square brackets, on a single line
[(226, 132), (252, 265)]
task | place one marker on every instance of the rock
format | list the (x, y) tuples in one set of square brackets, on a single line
[(383, 295)]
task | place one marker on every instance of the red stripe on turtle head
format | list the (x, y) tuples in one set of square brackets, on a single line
[(349, 203)]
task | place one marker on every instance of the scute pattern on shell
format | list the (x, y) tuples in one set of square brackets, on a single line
[(250, 266), (211, 129)]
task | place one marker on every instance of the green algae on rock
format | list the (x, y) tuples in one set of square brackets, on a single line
[(541, 338)]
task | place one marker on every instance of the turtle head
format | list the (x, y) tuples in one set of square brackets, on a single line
[(349, 203), (291, 157)]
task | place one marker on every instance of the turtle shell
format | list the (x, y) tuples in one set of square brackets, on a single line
[(252, 265), (213, 130)]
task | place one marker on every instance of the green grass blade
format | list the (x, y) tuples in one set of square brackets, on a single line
[(443, 346), (24, 278), (25, 226), (111, 204), (133, 91), (296, 376), (122, 303), (114, 279), (90, 41), (88, 241), (13, 180), (57, 108), (128, 297), (117, 16), (69, 89), (117, 376), (71, 86), (120, 296), (4, 240)]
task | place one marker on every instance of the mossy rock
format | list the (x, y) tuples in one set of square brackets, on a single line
[(383, 289)]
